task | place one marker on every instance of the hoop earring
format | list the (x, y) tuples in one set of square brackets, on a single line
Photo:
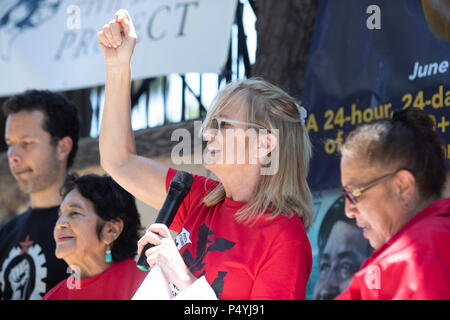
[(108, 256)]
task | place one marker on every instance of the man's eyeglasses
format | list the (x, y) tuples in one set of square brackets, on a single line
[(223, 123), (352, 196)]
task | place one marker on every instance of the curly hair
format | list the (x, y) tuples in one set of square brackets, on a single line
[(111, 202)]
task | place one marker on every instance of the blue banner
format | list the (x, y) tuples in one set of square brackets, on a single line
[(367, 59)]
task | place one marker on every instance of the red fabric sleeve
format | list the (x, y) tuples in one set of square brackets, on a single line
[(346, 294), (53, 293), (355, 291), (418, 272), (426, 275), (277, 281)]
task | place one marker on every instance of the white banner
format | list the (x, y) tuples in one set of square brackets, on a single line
[(52, 44)]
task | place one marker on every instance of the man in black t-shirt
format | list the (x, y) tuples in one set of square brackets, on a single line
[(41, 133)]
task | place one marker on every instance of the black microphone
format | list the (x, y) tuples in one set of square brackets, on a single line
[(178, 189)]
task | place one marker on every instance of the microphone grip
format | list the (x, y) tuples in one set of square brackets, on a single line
[(142, 261), (165, 216), (179, 187)]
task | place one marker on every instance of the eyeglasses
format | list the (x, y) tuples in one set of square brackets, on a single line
[(224, 123), (353, 195)]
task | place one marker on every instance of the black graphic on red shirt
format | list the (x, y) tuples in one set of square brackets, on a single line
[(208, 242)]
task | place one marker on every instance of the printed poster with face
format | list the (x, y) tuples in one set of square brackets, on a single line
[(338, 247), (367, 59)]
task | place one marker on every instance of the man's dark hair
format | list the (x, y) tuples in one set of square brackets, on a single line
[(111, 202), (60, 115), (336, 213)]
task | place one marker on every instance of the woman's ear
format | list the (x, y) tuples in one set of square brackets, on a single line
[(404, 186), (111, 230), (267, 143)]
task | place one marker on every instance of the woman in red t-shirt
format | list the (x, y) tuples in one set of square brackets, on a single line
[(96, 235), (246, 232)]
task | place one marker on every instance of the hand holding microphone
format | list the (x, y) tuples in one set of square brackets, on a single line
[(165, 254), (157, 245)]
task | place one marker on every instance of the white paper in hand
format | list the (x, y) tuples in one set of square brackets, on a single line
[(154, 287)]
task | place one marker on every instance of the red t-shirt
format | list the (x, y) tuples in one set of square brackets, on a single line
[(119, 282), (413, 264), (268, 260)]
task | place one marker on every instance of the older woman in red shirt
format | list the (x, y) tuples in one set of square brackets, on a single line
[(393, 173), (96, 235)]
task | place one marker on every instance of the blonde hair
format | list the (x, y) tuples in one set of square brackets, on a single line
[(285, 192)]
